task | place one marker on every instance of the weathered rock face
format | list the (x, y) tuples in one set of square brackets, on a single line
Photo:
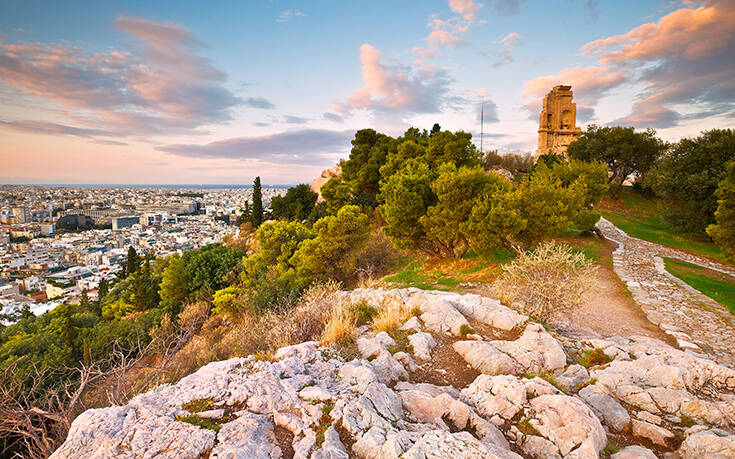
[(313, 402), (317, 183), (535, 351)]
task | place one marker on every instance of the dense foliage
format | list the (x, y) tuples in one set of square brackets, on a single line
[(688, 176), (624, 150), (723, 230), (297, 204)]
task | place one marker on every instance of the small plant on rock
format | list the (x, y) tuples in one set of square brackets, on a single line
[(465, 330), (593, 357)]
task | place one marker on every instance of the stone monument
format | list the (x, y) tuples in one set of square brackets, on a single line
[(557, 123)]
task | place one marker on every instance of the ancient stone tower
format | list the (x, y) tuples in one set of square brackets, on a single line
[(557, 123)]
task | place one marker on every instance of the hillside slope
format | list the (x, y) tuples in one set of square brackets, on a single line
[(464, 376)]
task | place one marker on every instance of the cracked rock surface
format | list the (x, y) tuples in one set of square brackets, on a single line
[(526, 397)]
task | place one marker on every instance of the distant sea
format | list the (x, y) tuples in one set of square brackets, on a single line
[(168, 186)]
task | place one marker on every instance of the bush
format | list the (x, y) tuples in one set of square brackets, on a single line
[(546, 281), (723, 231), (513, 163), (623, 150), (688, 177)]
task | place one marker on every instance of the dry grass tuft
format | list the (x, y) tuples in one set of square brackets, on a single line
[(547, 281), (341, 327), (392, 313)]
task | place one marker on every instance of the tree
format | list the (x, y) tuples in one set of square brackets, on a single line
[(688, 176), (547, 206), (277, 242), (133, 261), (332, 254), (456, 148), (84, 301), (624, 150), (206, 269), (336, 194), (494, 222), (435, 129), (246, 214), (406, 150), (723, 231), (457, 191), (256, 216), (362, 170), (173, 289), (405, 197), (297, 204)]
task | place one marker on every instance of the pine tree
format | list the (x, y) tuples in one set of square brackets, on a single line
[(84, 302), (133, 260), (256, 218)]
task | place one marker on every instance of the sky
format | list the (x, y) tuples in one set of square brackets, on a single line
[(218, 92)]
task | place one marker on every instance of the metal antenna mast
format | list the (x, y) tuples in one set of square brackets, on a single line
[(482, 123)]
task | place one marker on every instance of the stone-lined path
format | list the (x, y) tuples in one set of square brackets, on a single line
[(698, 323)]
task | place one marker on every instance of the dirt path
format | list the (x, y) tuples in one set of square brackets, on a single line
[(699, 324), (609, 309)]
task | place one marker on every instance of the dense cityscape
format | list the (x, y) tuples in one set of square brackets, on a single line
[(57, 243)]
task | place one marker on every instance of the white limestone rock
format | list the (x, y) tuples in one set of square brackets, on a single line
[(250, 436), (422, 344), (634, 452), (535, 351), (569, 424), (605, 407), (710, 444)]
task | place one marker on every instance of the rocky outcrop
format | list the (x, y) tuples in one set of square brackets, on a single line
[(532, 400), (317, 183), (535, 351)]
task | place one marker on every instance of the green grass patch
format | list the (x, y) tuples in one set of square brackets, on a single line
[(718, 286), (197, 406), (641, 217), (448, 274), (592, 357), (204, 423)]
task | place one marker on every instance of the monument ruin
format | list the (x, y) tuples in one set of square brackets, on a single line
[(557, 123)]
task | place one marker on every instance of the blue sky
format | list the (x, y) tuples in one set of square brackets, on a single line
[(218, 92)]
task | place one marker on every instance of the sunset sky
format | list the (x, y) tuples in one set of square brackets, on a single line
[(218, 92)]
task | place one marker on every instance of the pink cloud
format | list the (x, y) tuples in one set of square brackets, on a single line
[(686, 58), (467, 8), (396, 87), (161, 86)]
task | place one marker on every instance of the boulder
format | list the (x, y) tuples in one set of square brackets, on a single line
[(535, 351)]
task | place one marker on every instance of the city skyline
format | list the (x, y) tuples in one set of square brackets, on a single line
[(174, 93)]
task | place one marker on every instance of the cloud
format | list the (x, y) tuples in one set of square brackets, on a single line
[(507, 8), (397, 88), (287, 15), (294, 119), (684, 61), (258, 102), (508, 44), (443, 33), (160, 85), (592, 7), (49, 128), (261, 124), (588, 83), (305, 146), (467, 8), (109, 142), (333, 117), (490, 110), (686, 58)]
